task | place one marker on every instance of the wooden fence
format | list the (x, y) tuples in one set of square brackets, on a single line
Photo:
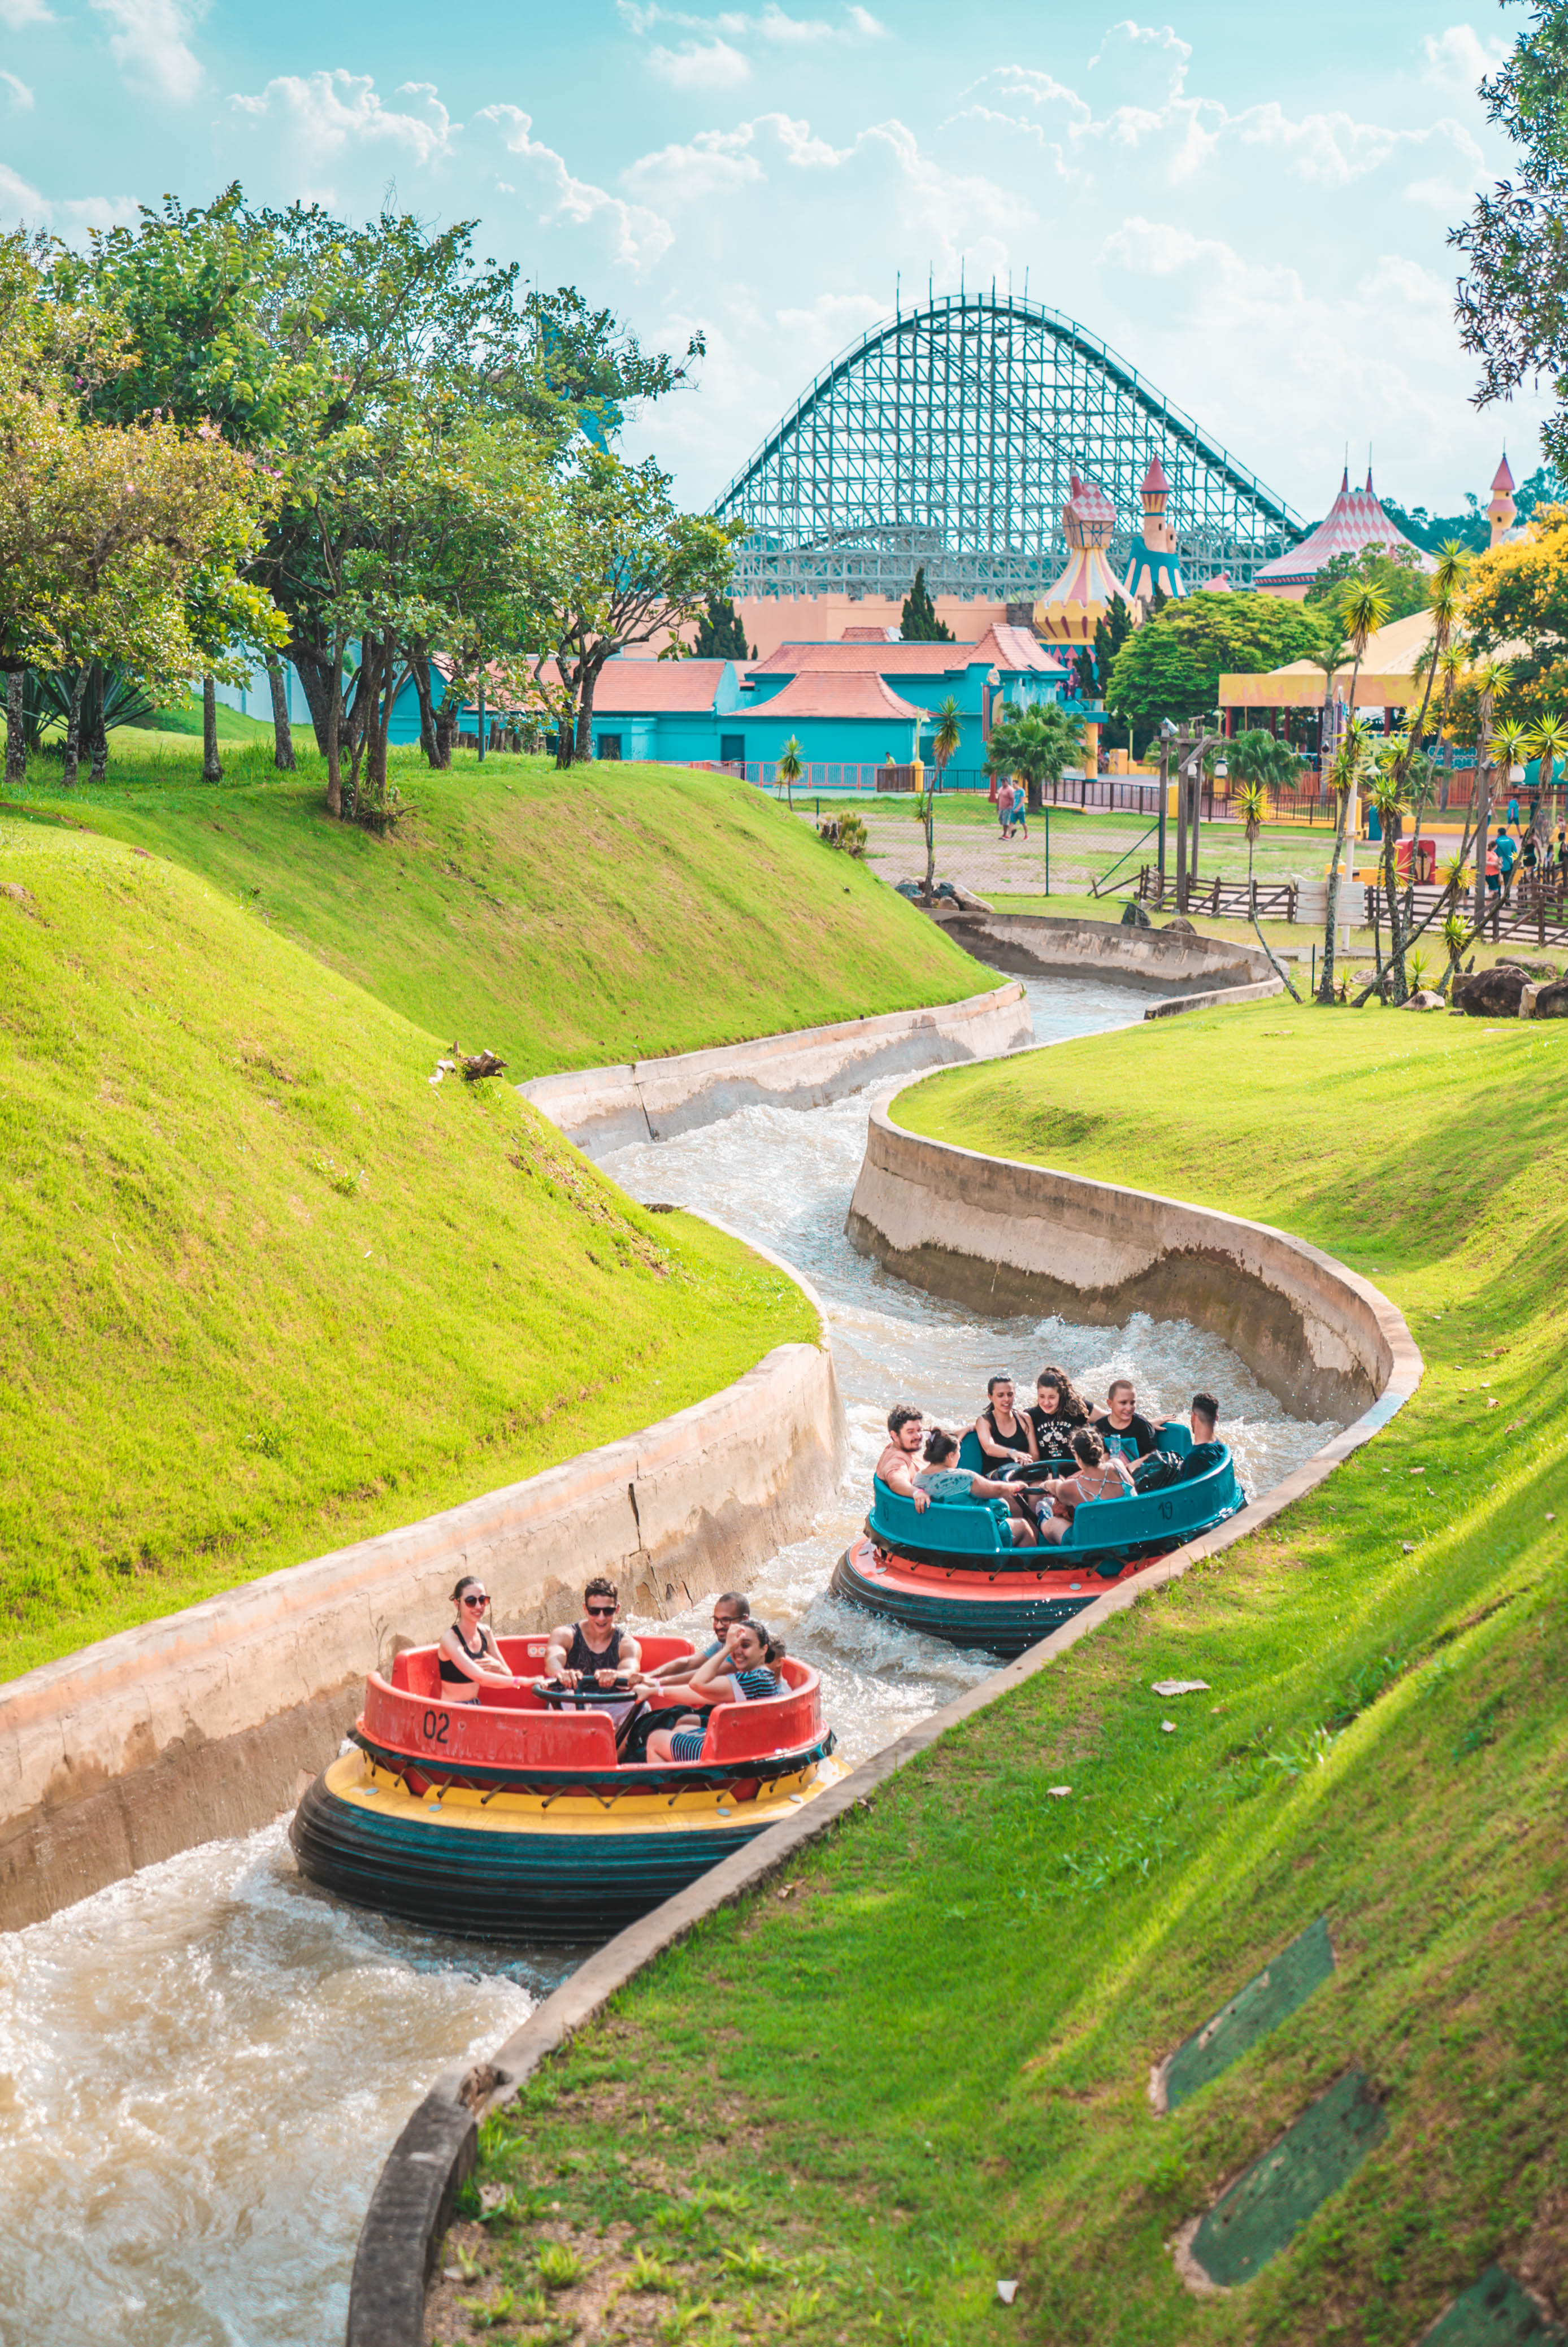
[(1221, 900)]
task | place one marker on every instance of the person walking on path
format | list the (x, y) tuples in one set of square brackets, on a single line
[(1507, 856)]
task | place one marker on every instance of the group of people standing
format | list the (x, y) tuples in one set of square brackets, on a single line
[(1103, 1449)]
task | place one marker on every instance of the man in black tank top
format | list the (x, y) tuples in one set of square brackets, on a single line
[(593, 1648)]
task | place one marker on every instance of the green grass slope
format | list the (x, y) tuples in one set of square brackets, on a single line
[(263, 1290), (925, 2066), (562, 920)]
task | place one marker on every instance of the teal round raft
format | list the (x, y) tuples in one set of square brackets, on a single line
[(950, 1570)]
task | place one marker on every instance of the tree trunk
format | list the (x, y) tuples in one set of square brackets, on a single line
[(212, 764), (429, 738), (582, 747), (15, 727), (446, 728), (282, 733), (74, 730), (97, 732), (319, 680), (333, 746), (378, 723)]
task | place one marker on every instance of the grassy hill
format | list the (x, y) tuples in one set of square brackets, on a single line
[(608, 913), (262, 1289), (927, 2065)]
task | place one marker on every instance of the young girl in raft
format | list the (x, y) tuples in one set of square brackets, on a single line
[(746, 1672), (1097, 1477)]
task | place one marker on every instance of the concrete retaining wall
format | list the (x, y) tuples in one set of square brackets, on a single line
[(603, 1109), (1167, 961), (994, 1234), (207, 1722)]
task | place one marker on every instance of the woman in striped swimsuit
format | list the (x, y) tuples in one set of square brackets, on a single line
[(745, 1672)]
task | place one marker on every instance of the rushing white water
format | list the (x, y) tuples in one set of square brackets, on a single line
[(785, 1177), (203, 2068)]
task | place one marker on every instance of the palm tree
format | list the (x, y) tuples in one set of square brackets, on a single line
[(789, 769), (1362, 612), (1457, 938), (1332, 658), (1490, 678), (1547, 740), (1035, 744), (1388, 796), (944, 742)]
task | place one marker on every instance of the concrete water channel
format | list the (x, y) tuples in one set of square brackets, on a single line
[(202, 2067)]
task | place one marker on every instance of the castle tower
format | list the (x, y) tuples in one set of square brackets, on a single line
[(1154, 570), (1502, 511), (1069, 607)]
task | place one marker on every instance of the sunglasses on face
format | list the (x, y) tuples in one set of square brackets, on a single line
[(476, 1601), (602, 1612)]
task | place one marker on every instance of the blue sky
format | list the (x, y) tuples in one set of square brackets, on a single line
[(1250, 203)]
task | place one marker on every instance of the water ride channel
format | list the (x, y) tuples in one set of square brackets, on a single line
[(202, 2067)]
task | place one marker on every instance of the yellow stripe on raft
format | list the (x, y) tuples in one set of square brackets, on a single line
[(355, 1779)]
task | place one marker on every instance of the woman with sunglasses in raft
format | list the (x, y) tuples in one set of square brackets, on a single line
[(464, 1666), (593, 1648)]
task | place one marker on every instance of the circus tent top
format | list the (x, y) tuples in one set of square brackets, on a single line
[(1354, 520)]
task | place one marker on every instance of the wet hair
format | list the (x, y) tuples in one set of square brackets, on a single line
[(1002, 1377), (470, 1581), (737, 1598), (1205, 1406), (1069, 1401), (772, 1648), (939, 1446), (1121, 1385), (600, 1587), (1087, 1448), (900, 1415)]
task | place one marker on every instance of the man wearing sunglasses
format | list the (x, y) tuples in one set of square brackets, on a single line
[(593, 1648), (729, 1609)]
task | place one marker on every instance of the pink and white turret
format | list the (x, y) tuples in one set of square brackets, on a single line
[(1502, 512)]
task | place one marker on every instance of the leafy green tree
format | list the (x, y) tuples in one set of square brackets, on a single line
[(720, 635), (1172, 665), (614, 563), (1396, 571), (111, 536), (214, 341), (920, 623), (1513, 301), (791, 767)]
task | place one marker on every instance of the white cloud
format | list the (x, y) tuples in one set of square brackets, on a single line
[(18, 14), (638, 235), (151, 45), (1128, 44), (23, 204), (714, 163), (1460, 55), (18, 201), (21, 95), (325, 111), (699, 65)]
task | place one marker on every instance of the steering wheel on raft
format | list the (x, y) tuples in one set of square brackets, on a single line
[(1034, 1471)]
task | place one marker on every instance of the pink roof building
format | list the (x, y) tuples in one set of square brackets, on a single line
[(1353, 521)]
